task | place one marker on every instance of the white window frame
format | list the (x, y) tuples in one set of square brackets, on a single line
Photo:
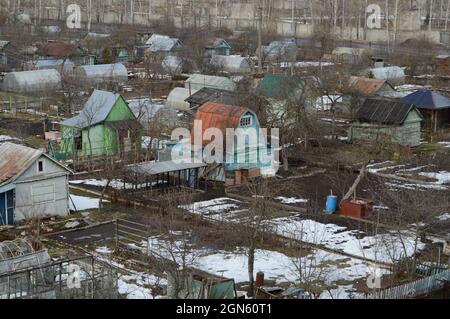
[(246, 118)]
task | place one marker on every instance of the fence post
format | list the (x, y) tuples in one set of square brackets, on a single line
[(117, 235)]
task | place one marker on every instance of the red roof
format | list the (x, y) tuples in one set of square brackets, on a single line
[(221, 116)]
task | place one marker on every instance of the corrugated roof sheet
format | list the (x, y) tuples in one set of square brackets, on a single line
[(95, 111), (366, 86), (384, 111), (218, 96), (14, 160), (220, 116), (426, 99), (154, 168)]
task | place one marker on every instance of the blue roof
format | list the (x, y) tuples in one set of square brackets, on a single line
[(95, 111), (426, 99)]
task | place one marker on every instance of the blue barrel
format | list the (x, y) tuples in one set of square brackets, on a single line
[(332, 204)]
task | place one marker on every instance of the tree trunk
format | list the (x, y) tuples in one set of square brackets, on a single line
[(251, 266)]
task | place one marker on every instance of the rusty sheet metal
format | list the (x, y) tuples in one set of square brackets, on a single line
[(220, 116), (14, 160), (366, 86), (56, 49)]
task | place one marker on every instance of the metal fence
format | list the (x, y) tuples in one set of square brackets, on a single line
[(414, 289), (75, 278)]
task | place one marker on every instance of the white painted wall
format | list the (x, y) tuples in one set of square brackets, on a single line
[(42, 194)]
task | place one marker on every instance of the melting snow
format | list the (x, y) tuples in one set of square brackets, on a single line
[(83, 203)]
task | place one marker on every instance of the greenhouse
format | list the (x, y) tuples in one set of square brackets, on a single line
[(177, 97), (98, 73), (31, 81), (232, 64)]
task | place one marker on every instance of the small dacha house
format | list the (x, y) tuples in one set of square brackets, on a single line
[(32, 185), (105, 126), (387, 121)]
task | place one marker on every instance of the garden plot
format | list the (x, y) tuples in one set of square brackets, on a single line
[(220, 209), (325, 270), (387, 247), (135, 284), (413, 176)]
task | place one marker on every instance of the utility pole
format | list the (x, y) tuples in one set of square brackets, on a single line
[(293, 18), (217, 13), (260, 55)]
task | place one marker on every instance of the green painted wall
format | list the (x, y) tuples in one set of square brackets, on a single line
[(408, 134), (120, 111), (93, 138)]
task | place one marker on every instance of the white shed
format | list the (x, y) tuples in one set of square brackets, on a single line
[(98, 73), (177, 97), (200, 81), (32, 185), (232, 63), (32, 81)]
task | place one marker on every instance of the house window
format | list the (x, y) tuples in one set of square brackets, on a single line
[(40, 166), (246, 121)]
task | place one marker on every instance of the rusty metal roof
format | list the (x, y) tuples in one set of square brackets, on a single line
[(221, 116), (14, 160), (56, 49), (366, 86)]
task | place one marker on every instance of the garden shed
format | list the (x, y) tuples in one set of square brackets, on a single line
[(387, 121)]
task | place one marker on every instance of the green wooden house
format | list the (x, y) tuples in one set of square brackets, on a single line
[(387, 121), (217, 46), (105, 126)]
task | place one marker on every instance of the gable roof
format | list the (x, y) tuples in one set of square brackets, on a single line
[(95, 111), (15, 159), (384, 111), (426, 99), (3, 44), (215, 43), (162, 43), (220, 116), (278, 86), (365, 86)]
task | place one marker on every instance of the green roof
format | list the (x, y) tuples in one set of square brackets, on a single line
[(279, 86)]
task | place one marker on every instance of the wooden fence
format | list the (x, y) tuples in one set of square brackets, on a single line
[(414, 289)]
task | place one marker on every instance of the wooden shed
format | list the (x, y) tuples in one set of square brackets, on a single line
[(386, 120)]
